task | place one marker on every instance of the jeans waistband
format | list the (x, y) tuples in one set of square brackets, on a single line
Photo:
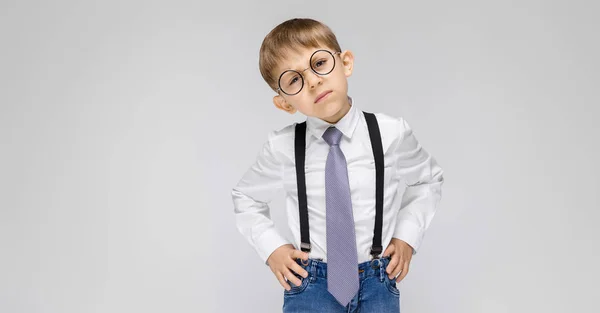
[(375, 267)]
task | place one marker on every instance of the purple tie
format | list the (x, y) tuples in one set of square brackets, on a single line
[(342, 258)]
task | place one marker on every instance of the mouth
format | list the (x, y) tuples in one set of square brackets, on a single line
[(323, 95)]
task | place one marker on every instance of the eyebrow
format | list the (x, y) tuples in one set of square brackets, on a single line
[(300, 68)]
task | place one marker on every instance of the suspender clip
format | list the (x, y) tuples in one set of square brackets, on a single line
[(305, 246), (375, 251)]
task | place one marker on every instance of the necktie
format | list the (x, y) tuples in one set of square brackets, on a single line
[(342, 258)]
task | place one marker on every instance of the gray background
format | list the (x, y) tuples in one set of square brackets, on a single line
[(125, 124)]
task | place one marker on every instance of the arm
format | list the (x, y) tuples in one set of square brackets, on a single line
[(424, 179), (251, 197)]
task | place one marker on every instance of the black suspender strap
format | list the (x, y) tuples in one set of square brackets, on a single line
[(299, 152), (375, 137)]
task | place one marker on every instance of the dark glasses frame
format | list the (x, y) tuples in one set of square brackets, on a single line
[(302, 76)]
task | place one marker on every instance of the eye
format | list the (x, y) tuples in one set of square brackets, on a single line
[(294, 80), (320, 63)]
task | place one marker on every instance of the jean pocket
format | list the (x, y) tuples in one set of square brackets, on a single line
[(297, 289), (390, 283)]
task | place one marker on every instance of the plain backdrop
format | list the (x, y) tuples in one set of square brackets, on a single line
[(125, 125)]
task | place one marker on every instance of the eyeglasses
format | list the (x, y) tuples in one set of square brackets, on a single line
[(322, 62)]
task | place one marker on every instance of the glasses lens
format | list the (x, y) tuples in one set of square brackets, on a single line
[(322, 62), (290, 82)]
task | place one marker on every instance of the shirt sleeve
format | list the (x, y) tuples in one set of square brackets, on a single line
[(423, 178), (251, 197)]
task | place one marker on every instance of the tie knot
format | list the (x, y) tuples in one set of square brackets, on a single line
[(332, 136)]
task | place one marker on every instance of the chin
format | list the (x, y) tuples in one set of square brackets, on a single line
[(331, 110)]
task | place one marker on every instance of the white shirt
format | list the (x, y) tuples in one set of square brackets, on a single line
[(412, 185)]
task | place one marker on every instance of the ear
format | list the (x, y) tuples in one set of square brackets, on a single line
[(347, 62), (283, 105)]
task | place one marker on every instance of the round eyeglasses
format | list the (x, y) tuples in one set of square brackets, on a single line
[(322, 62)]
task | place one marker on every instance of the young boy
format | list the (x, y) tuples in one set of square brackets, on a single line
[(354, 180)]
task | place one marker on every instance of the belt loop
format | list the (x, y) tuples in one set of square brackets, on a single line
[(381, 271), (313, 270)]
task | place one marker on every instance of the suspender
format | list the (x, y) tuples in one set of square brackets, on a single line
[(300, 150)]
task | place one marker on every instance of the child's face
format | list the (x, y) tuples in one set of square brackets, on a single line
[(334, 85)]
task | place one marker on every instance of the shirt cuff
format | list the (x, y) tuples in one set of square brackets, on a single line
[(268, 242), (410, 233)]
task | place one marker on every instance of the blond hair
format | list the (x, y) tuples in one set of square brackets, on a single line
[(287, 36)]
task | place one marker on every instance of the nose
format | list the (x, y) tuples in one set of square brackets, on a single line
[(312, 79)]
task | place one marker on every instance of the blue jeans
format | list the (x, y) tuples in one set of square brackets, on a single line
[(377, 293)]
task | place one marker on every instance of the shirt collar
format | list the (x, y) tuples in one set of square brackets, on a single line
[(346, 124)]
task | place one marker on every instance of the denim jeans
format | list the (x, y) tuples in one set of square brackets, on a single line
[(377, 293)]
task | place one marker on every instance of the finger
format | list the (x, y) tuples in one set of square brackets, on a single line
[(399, 267), (298, 269), (298, 254), (292, 278), (282, 281), (404, 271), (392, 265)]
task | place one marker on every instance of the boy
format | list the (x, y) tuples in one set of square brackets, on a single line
[(354, 181)]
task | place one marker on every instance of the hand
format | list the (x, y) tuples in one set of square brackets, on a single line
[(282, 260), (401, 253)]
